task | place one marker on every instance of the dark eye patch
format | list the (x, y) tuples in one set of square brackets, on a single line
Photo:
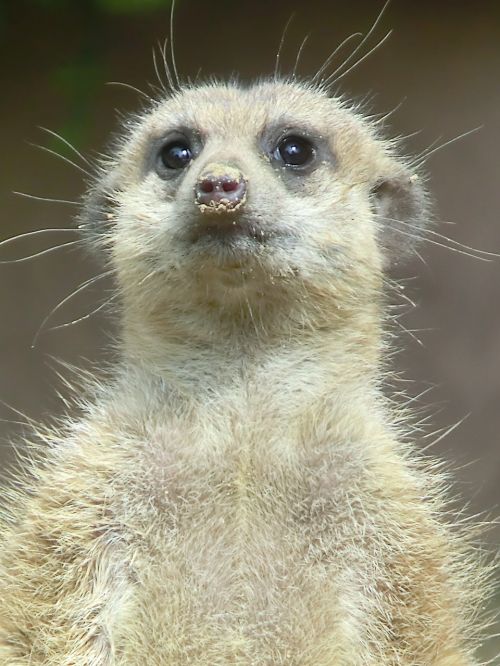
[(172, 154), (296, 150)]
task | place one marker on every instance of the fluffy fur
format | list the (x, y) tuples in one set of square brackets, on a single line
[(239, 492)]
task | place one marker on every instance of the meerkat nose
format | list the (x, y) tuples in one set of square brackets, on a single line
[(220, 188)]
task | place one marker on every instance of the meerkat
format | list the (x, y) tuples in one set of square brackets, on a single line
[(240, 491)]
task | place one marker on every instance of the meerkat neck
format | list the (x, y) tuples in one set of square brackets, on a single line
[(289, 349)]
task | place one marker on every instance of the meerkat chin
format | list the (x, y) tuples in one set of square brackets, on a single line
[(240, 491)]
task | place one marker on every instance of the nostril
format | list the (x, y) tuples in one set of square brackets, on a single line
[(231, 185), (206, 186)]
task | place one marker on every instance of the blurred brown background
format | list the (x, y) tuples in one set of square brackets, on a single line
[(442, 61)]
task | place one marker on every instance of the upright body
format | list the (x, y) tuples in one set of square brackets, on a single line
[(239, 491)]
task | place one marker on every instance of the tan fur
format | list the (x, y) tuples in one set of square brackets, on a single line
[(239, 492)]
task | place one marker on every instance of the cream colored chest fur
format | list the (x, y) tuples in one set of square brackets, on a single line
[(245, 545), (245, 533), (215, 533)]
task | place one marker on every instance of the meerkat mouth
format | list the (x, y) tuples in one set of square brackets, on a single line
[(229, 231), (232, 245)]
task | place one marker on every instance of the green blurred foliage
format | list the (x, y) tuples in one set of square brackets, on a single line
[(80, 79)]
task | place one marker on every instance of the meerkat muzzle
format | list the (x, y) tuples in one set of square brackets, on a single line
[(221, 188)]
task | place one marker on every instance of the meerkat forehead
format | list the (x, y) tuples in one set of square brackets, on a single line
[(220, 108)]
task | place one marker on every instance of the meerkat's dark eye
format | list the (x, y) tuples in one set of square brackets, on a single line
[(294, 151), (176, 154)]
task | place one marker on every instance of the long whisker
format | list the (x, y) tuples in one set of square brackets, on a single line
[(49, 200), (172, 47), (485, 253), (157, 72), (130, 87), (11, 422), (299, 53), (331, 80), (442, 237), (41, 253), (420, 258), (28, 421), (332, 55), (163, 51), (36, 232), (424, 239), (61, 157), (425, 156), (280, 47), (86, 316), (405, 137), (362, 43), (67, 143), (65, 300), (380, 118), (419, 156)]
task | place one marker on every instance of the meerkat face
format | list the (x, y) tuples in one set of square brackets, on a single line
[(240, 188)]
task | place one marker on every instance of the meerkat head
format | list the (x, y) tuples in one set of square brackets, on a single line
[(225, 195)]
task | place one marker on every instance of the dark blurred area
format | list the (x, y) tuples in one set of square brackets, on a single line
[(441, 64)]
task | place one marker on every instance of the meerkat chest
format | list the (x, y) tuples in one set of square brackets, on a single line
[(248, 547)]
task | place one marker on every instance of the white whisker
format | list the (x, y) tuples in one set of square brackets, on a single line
[(61, 157), (331, 80), (27, 419), (41, 253), (482, 254), (84, 317), (157, 71), (443, 245), (36, 232), (48, 199), (299, 53), (381, 118), (425, 156), (361, 44), (280, 47), (130, 87), (67, 143), (332, 55), (168, 73), (172, 47), (65, 300)]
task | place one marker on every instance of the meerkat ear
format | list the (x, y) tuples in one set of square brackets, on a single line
[(401, 210)]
